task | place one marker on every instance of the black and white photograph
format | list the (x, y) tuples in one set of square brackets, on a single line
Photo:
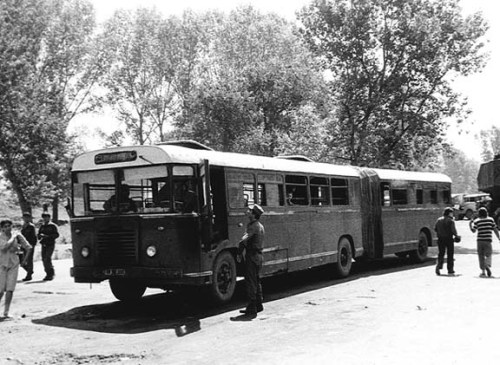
[(249, 182)]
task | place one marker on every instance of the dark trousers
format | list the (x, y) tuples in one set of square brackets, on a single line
[(252, 280), (47, 251), (29, 260), (446, 246)]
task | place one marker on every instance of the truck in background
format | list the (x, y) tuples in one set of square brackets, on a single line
[(488, 181)]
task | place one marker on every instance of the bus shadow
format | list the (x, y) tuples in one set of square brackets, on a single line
[(182, 312)]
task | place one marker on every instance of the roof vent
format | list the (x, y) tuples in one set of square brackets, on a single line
[(187, 144), (296, 158)]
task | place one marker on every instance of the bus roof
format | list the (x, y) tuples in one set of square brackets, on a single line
[(385, 174), (166, 154), (163, 154)]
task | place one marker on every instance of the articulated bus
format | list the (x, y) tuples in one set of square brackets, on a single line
[(133, 223)]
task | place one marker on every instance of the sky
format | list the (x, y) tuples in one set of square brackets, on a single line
[(480, 89)]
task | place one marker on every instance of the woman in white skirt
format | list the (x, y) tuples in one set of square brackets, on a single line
[(10, 245)]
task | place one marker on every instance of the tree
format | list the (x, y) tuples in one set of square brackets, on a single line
[(391, 63), (256, 74), (150, 62), (44, 81), (490, 139), (461, 169)]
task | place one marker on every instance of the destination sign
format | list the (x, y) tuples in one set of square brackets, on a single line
[(115, 157)]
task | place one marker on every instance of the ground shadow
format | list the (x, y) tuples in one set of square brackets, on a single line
[(182, 311)]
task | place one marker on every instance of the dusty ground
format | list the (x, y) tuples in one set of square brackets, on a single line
[(388, 312)]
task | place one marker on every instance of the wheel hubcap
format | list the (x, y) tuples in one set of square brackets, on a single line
[(224, 278)]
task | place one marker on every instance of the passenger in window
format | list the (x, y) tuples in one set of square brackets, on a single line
[(189, 198), (125, 204), (252, 243)]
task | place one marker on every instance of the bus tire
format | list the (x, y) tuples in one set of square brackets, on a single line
[(344, 258), (420, 254), (223, 278), (127, 290)]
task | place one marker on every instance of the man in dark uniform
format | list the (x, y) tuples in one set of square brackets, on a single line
[(252, 244), (29, 232), (47, 234), (446, 231)]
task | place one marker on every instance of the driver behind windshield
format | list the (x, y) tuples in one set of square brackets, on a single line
[(125, 203)]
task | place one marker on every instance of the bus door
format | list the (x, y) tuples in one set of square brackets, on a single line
[(371, 214), (206, 205)]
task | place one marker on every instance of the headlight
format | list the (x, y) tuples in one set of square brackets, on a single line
[(85, 252), (151, 251)]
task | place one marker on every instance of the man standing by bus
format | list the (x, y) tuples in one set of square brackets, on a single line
[(252, 243), (47, 234), (446, 233)]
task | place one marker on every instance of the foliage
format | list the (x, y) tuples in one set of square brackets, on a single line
[(149, 62), (43, 84), (391, 63), (490, 139), (255, 75), (462, 170)]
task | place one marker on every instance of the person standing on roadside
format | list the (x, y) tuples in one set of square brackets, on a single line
[(485, 226), (29, 232), (10, 244), (252, 243), (446, 233), (47, 234)]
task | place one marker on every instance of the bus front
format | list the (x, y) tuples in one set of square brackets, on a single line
[(136, 220)]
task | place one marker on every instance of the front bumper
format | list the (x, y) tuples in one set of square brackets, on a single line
[(154, 276)]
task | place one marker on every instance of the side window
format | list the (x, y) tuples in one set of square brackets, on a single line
[(340, 191), (241, 189), (261, 194), (296, 190), (434, 197), (270, 190), (248, 194), (420, 195), (319, 191), (446, 196), (385, 191), (399, 196)]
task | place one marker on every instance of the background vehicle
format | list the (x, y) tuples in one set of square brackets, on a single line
[(467, 205), (488, 181), (315, 214)]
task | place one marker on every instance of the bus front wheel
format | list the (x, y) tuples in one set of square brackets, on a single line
[(420, 254), (126, 290), (344, 258), (223, 278)]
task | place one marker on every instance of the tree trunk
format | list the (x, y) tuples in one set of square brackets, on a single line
[(23, 203), (55, 209)]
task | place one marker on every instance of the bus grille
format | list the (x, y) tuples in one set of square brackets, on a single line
[(117, 247)]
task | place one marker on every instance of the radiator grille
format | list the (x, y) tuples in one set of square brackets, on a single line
[(117, 247)]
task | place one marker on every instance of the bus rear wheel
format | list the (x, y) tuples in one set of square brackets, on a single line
[(420, 254), (127, 290), (344, 258), (223, 278)]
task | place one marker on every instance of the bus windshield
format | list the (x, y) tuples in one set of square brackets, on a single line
[(149, 189)]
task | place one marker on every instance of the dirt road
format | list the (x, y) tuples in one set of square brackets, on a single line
[(388, 312)]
